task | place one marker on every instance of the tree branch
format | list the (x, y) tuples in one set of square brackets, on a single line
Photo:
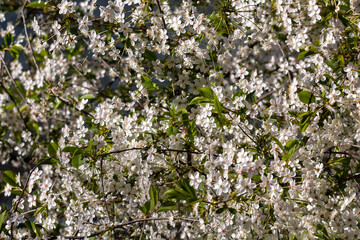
[(130, 223)]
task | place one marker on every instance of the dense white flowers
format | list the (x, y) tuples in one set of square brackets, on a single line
[(217, 119)]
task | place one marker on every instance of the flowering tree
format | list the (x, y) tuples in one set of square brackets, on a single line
[(154, 119)]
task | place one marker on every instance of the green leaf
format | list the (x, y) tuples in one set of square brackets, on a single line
[(37, 230), (69, 149), (154, 197), (290, 144), (52, 149), (167, 206), (182, 111), (343, 19), (207, 92), (232, 210), (17, 47), (21, 87), (197, 100), (171, 193), (14, 50), (88, 148), (305, 120), (23, 107), (148, 84), (290, 147), (51, 161), (177, 194), (172, 131), (341, 59), (184, 184), (9, 177), (30, 226), (77, 161), (8, 39), (2, 218), (87, 96), (303, 54), (14, 53), (146, 208), (151, 56), (37, 4), (40, 209), (220, 210), (306, 97), (278, 143), (239, 93), (217, 105)]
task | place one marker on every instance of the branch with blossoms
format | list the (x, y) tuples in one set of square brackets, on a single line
[(131, 223), (193, 119)]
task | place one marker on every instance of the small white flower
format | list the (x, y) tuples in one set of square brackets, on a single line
[(195, 179), (7, 190)]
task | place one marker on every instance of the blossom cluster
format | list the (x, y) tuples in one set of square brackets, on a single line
[(209, 119)]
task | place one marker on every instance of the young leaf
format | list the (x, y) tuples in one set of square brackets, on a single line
[(69, 149), (40, 209), (290, 147), (154, 197), (8, 39), (146, 208), (37, 4), (217, 105), (52, 148), (76, 161), (278, 143), (207, 92), (148, 84), (199, 100), (185, 185), (167, 206), (88, 148), (9, 177), (172, 131), (87, 96), (29, 226), (303, 54), (306, 97), (305, 121), (2, 218)]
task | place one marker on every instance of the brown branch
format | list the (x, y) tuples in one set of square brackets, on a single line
[(27, 36), (68, 102), (12, 79), (162, 14), (265, 96), (103, 61), (24, 188), (16, 106), (247, 134), (129, 223), (147, 148)]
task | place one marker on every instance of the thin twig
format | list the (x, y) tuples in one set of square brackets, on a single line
[(147, 148), (283, 53), (24, 188), (102, 186), (247, 134), (162, 14), (68, 102), (265, 96), (103, 61), (12, 79), (27, 36), (130, 223)]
